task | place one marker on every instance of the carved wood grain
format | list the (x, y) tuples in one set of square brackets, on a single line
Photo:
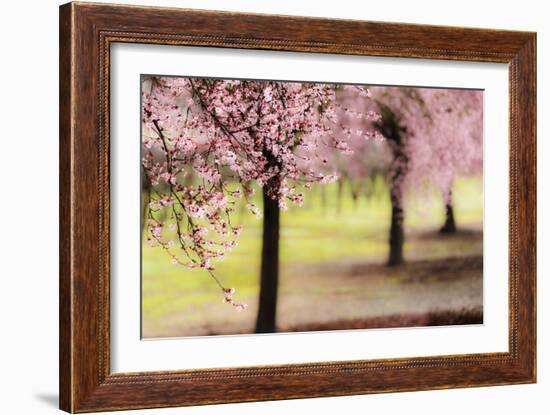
[(86, 33)]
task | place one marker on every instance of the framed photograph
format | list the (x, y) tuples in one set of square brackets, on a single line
[(258, 207)]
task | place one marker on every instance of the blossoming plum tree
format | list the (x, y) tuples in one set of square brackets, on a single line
[(206, 141), (435, 135)]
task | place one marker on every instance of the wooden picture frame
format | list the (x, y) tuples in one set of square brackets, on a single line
[(86, 33)]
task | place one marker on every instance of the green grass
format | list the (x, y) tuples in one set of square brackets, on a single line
[(316, 233)]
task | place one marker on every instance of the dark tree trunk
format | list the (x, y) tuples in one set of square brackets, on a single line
[(397, 233), (145, 200), (450, 226), (390, 128), (269, 278)]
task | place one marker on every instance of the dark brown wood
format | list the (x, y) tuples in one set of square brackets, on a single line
[(65, 245), (86, 33)]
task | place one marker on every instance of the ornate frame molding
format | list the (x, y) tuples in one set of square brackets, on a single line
[(86, 34)]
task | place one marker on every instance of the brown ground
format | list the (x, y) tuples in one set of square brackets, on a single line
[(439, 291), (434, 318)]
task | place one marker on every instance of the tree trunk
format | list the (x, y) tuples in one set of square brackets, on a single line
[(397, 233), (450, 226), (269, 278), (390, 128)]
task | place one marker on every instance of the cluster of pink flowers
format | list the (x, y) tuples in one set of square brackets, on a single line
[(363, 150), (206, 141), (441, 132)]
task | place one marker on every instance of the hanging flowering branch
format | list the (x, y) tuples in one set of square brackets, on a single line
[(205, 141)]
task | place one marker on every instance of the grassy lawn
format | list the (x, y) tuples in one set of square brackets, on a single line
[(326, 230)]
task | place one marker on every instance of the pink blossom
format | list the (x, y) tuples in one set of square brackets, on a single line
[(442, 133), (240, 306), (206, 141)]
